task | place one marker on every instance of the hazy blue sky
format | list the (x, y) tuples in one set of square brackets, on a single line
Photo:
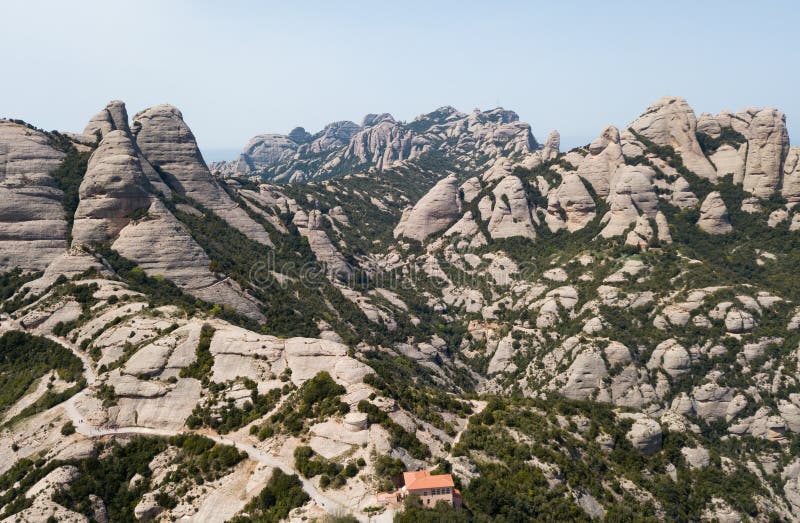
[(237, 69)]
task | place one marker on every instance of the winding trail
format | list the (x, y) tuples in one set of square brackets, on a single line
[(90, 431)]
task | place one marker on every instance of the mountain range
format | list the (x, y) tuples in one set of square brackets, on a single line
[(605, 333)]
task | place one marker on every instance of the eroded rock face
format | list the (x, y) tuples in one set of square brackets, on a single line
[(161, 245), (169, 145), (434, 212), (768, 144), (114, 117), (310, 226), (670, 121), (791, 176), (714, 215), (605, 155), (645, 435), (511, 215), (633, 193), (112, 189), (33, 230), (573, 200)]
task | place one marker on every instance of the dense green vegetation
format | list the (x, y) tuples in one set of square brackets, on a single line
[(443, 512), (399, 437), (316, 400), (200, 368), (273, 504), (226, 417), (68, 176), (109, 478), (24, 358), (511, 489)]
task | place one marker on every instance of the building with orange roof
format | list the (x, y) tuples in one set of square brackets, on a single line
[(431, 488)]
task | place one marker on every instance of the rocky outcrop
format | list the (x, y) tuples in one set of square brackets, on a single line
[(113, 188), (670, 121), (169, 145), (511, 215), (570, 205), (714, 215), (265, 150), (767, 146), (161, 245), (434, 212), (310, 226), (33, 229), (551, 146), (791, 176), (633, 194), (645, 435), (114, 117), (605, 155)]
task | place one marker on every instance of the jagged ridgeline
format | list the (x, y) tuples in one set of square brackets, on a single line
[(607, 333)]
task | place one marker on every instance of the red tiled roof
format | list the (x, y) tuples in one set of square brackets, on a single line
[(423, 479)]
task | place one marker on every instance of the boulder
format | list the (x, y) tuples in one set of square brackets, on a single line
[(714, 215), (434, 212), (645, 435), (511, 215)]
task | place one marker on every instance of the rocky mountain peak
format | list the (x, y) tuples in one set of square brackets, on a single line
[(112, 118)]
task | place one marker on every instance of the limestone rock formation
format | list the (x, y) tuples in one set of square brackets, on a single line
[(113, 188), (670, 121), (310, 226), (551, 146), (714, 215), (33, 230), (434, 212), (633, 193), (767, 146), (573, 200), (511, 215), (790, 188), (114, 117), (605, 155), (169, 145), (161, 245), (645, 435)]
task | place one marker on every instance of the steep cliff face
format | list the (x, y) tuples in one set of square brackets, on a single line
[(169, 145), (33, 229), (113, 189)]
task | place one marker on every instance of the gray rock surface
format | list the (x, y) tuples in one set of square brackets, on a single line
[(714, 215), (511, 215), (670, 121), (33, 230), (169, 145), (162, 246), (113, 188), (645, 435), (434, 212), (767, 146)]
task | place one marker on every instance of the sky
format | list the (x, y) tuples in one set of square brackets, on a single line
[(241, 68)]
